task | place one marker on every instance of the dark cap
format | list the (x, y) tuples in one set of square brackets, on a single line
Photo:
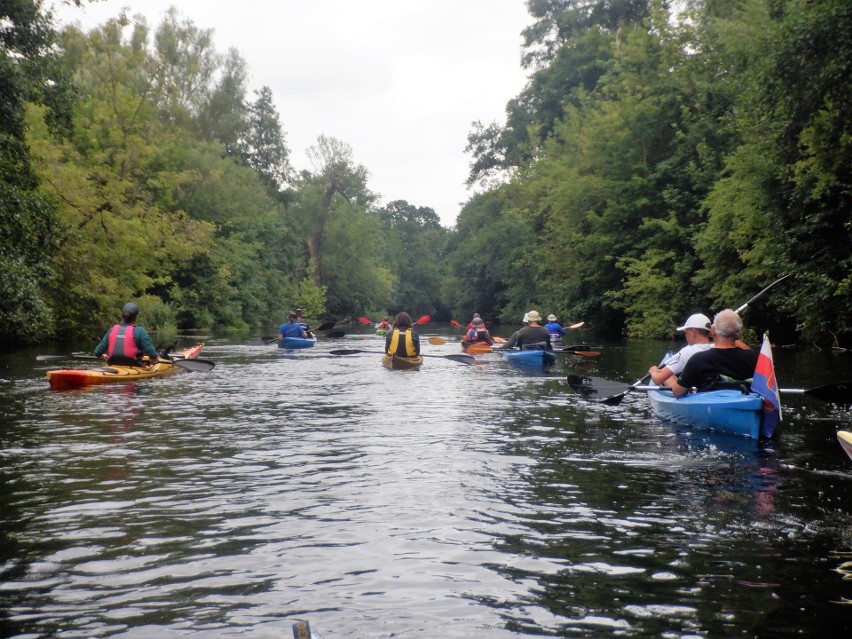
[(130, 309)]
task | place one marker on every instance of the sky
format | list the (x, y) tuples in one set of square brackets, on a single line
[(399, 81)]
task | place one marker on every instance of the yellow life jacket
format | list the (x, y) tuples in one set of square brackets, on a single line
[(409, 343)]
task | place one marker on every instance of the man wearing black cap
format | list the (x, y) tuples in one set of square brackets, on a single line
[(126, 343)]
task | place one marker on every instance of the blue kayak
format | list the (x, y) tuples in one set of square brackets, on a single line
[(531, 357), (297, 342), (729, 411)]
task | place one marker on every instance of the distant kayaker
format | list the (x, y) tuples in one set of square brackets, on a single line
[(303, 323), (291, 328), (477, 334), (726, 361), (127, 342), (470, 323), (403, 340), (553, 327), (696, 330), (384, 325), (533, 335)]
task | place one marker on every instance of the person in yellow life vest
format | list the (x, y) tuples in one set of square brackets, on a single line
[(403, 340)]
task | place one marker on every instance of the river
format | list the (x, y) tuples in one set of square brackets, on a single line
[(455, 501)]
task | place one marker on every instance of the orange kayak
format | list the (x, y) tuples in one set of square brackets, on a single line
[(77, 378), (477, 348)]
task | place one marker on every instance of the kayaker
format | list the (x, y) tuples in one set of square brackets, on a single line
[(384, 325), (533, 335), (470, 323), (696, 330), (726, 361), (291, 328), (403, 340), (477, 334), (303, 323), (125, 343), (553, 327)]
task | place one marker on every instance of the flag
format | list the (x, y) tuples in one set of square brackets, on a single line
[(764, 384)]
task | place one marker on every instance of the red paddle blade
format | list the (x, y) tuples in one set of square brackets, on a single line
[(423, 319), (364, 320), (455, 324)]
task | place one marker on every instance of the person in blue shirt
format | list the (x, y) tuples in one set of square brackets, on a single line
[(553, 327), (291, 328), (125, 343)]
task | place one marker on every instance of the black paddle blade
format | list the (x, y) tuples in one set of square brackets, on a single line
[(461, 358), (195, 365), (348, 351), (599, 389), (334, 334), (836, 393), (326, 326)]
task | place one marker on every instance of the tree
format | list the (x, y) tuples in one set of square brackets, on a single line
[(335, 174), (264, 146), (29, 73)]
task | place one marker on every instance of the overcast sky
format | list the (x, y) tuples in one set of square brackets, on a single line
[(400, 81)]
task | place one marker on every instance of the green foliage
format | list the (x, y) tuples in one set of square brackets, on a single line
[(310, 298)]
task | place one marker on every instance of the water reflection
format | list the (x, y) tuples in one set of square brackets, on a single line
[(456, 500)]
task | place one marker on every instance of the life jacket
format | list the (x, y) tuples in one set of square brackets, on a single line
[(409, 344), (477, 335), (121, 342)]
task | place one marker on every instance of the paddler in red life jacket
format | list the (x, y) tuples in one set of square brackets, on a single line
[(477, 333), (384, 324), (403, 340), (126, 343)]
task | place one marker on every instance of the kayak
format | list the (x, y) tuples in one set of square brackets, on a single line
[(64, 379), (297, 342), (529, 357), (729, 411), (381, 331), (397, 362), (477, 348), (845, 439)]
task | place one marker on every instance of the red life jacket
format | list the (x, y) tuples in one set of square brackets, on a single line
[(121, 342)]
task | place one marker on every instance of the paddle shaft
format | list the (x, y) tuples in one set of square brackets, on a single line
[(835, 393), (461, 358)]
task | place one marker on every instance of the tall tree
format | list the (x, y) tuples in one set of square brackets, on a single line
[(335, 174), (264, 145)]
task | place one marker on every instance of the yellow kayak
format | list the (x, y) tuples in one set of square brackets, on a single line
[(401, 363), (77, 378)]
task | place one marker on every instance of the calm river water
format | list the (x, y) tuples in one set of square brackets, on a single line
[(454, 501)]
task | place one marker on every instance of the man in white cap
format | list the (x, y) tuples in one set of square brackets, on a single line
[(534, 335), (696, 330)]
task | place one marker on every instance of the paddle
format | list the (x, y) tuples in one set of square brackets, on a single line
[(615, 391), (834, 393), (455, 324), (437, 341), (423, 320), (326, 326), (577, 325), (196, 365), (335, 334), (584, 351), (461, 358), (365, 320)]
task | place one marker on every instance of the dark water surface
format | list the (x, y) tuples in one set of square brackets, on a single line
[(454, 501)]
